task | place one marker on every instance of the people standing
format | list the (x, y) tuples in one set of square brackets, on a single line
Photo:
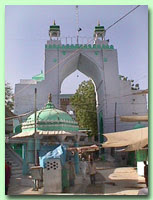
[(146, 172), (92, 171), (83, 168)]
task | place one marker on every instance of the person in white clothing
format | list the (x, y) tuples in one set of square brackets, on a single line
[(83, 168)]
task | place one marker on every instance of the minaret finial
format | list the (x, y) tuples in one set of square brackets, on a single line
[(98, 22), (54, 22), (50, 98)]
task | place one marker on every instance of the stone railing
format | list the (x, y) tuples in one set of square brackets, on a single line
[(75, 40)]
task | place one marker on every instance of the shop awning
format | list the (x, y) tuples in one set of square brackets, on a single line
[(138, 145), (84, 149), (143, 118), (132, 139), (47, 133)]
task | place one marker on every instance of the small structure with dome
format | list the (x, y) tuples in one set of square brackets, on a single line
[(53, 127)]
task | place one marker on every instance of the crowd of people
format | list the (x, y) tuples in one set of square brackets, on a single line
[(87, 168)]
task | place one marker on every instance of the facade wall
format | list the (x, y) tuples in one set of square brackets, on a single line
[(97, 62)]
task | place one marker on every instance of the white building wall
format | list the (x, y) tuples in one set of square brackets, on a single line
[(99, 64)]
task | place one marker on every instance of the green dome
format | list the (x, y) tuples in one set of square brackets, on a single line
[(39, 77), (99, 27), (54, 27), (50, 119)]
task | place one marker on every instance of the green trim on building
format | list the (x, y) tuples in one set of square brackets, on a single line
[(142, 155), (54, 28), (101, 127), (17, 148), (64, 53), (105, 59), (131, 158), (111, 47), (77, 46), (99, 28)]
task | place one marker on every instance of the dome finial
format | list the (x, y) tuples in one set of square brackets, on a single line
[(49, 97), (98, 22), (49, 104), (54, 22)]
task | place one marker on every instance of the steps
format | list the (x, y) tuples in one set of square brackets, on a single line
[(16, 168), (17, 180), (14, 160)]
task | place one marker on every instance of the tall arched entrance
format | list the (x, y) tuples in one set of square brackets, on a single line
[(87, 66), (97, 60)]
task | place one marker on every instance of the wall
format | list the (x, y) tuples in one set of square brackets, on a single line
[(100, 63)]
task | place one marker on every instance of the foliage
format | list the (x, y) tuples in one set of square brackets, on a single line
[(9, 99), (133, 86), (84, 105)]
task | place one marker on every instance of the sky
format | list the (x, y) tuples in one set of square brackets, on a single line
[(26, 33)]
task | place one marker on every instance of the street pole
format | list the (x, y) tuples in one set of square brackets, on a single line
[(35, 139), (58, 82), (77, 23), (113, 149), (115, 117), (78, 38)]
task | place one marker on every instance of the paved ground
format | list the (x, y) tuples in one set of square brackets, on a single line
[(122, 181), (109, 181)]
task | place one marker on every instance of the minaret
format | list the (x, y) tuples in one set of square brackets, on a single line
[(99, 34), (54, 34)]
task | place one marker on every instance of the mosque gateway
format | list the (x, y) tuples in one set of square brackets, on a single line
[(96, 59)]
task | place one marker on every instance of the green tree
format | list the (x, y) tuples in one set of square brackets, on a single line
[(9, 99), (84, 105)]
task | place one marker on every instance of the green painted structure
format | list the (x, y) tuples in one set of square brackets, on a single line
[(47, 119), (54, 30), (18, 148), (141, 155), (77, 46), (50, 119)]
